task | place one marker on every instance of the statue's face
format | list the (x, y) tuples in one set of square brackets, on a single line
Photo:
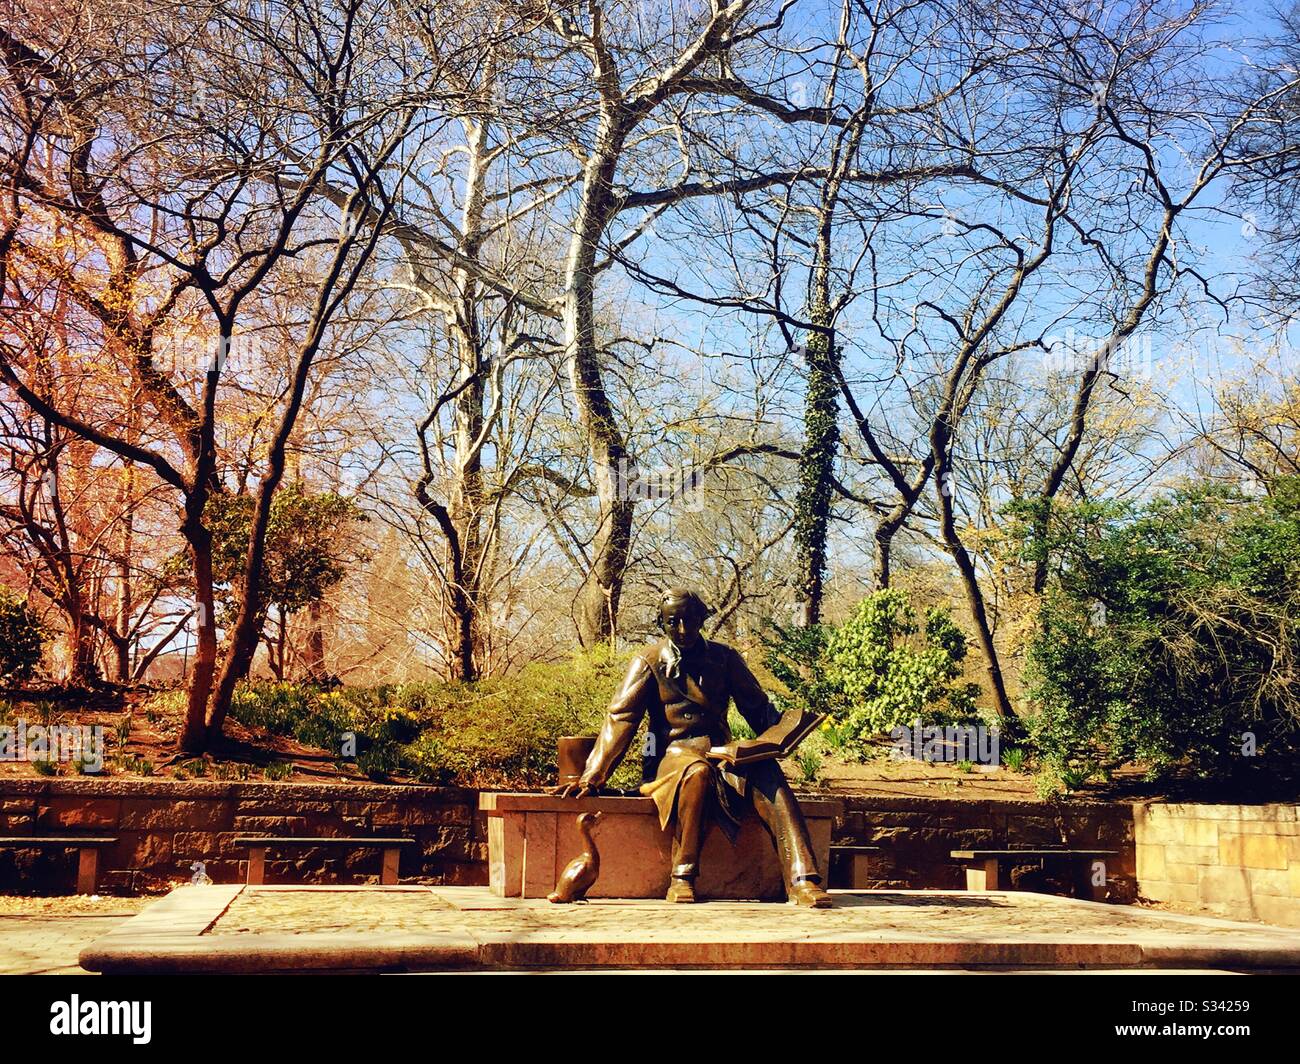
[(682, 623)]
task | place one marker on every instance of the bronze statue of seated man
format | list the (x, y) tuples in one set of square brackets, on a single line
[(684, 683)]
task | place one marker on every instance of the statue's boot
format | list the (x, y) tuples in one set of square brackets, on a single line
[(692, 801), (777, 807), (681, 889), (807, 894)]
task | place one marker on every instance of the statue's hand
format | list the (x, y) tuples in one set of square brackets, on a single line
[(582, 789)]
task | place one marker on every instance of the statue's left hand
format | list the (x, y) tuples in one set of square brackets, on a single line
[(576, 790)]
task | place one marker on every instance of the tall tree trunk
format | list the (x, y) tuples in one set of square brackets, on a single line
[(821, 401), (251, 616), (816, 472), (821, 444), (1056, 475), (466, 513), (466, 498), (81, 645), (193, 738), (281, 643), (120, 639), (598, 600), (974, 596), (314, 653), (126, 549), (884, 550), (247, 626)]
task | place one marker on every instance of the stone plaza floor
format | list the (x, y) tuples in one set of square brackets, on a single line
[(44, 935), (233, 928)]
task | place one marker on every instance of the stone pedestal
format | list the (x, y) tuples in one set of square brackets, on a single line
[(531, 837)]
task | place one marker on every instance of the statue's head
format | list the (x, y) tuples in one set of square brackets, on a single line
[(681, 615)]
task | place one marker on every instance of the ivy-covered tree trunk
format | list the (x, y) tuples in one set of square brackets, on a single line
[(816, 471), (821, 439), (821, 400)]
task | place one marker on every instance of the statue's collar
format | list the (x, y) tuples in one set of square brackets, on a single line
[(671, 658)]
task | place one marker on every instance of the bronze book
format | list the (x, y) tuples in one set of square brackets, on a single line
[(777, 741)]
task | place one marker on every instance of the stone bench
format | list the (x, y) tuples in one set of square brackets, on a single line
[(858, 859), (258, 845), (982, 866), (87, 853), (532, 837)]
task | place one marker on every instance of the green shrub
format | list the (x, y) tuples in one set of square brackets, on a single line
[(879, 669), (795, 656), (22, 638), (1168, 632), (429, 761), (499, 732), (307, 549), (378, 763), (1047, 783)]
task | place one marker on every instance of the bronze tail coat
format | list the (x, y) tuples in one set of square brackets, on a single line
[(685, 698)]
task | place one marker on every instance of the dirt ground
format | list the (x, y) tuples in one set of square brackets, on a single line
[(141, 744), (925, 779)]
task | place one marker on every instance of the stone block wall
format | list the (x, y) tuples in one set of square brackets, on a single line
[(1238, 861), (164, 827), (917, 835)]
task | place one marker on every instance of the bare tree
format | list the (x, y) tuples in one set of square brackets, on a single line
[(194, 220)]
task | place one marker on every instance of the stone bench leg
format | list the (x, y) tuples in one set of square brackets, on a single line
[(392, 857), (256, 864), (1084, 887), (982, 876), (87, 869), (861, 870)]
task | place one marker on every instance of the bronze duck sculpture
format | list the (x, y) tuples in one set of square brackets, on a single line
[(582, 871)]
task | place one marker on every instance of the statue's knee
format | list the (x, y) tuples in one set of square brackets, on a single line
[(767, 777), (696, 778)]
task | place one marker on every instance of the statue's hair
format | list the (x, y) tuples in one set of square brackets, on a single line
[(681, 594)]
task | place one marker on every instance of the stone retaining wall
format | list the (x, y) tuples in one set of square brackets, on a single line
[(1239, 861), (917, 835), (163, 827)]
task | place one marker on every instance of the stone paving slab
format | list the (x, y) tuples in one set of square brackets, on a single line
[(42, 936), (237, 928)]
